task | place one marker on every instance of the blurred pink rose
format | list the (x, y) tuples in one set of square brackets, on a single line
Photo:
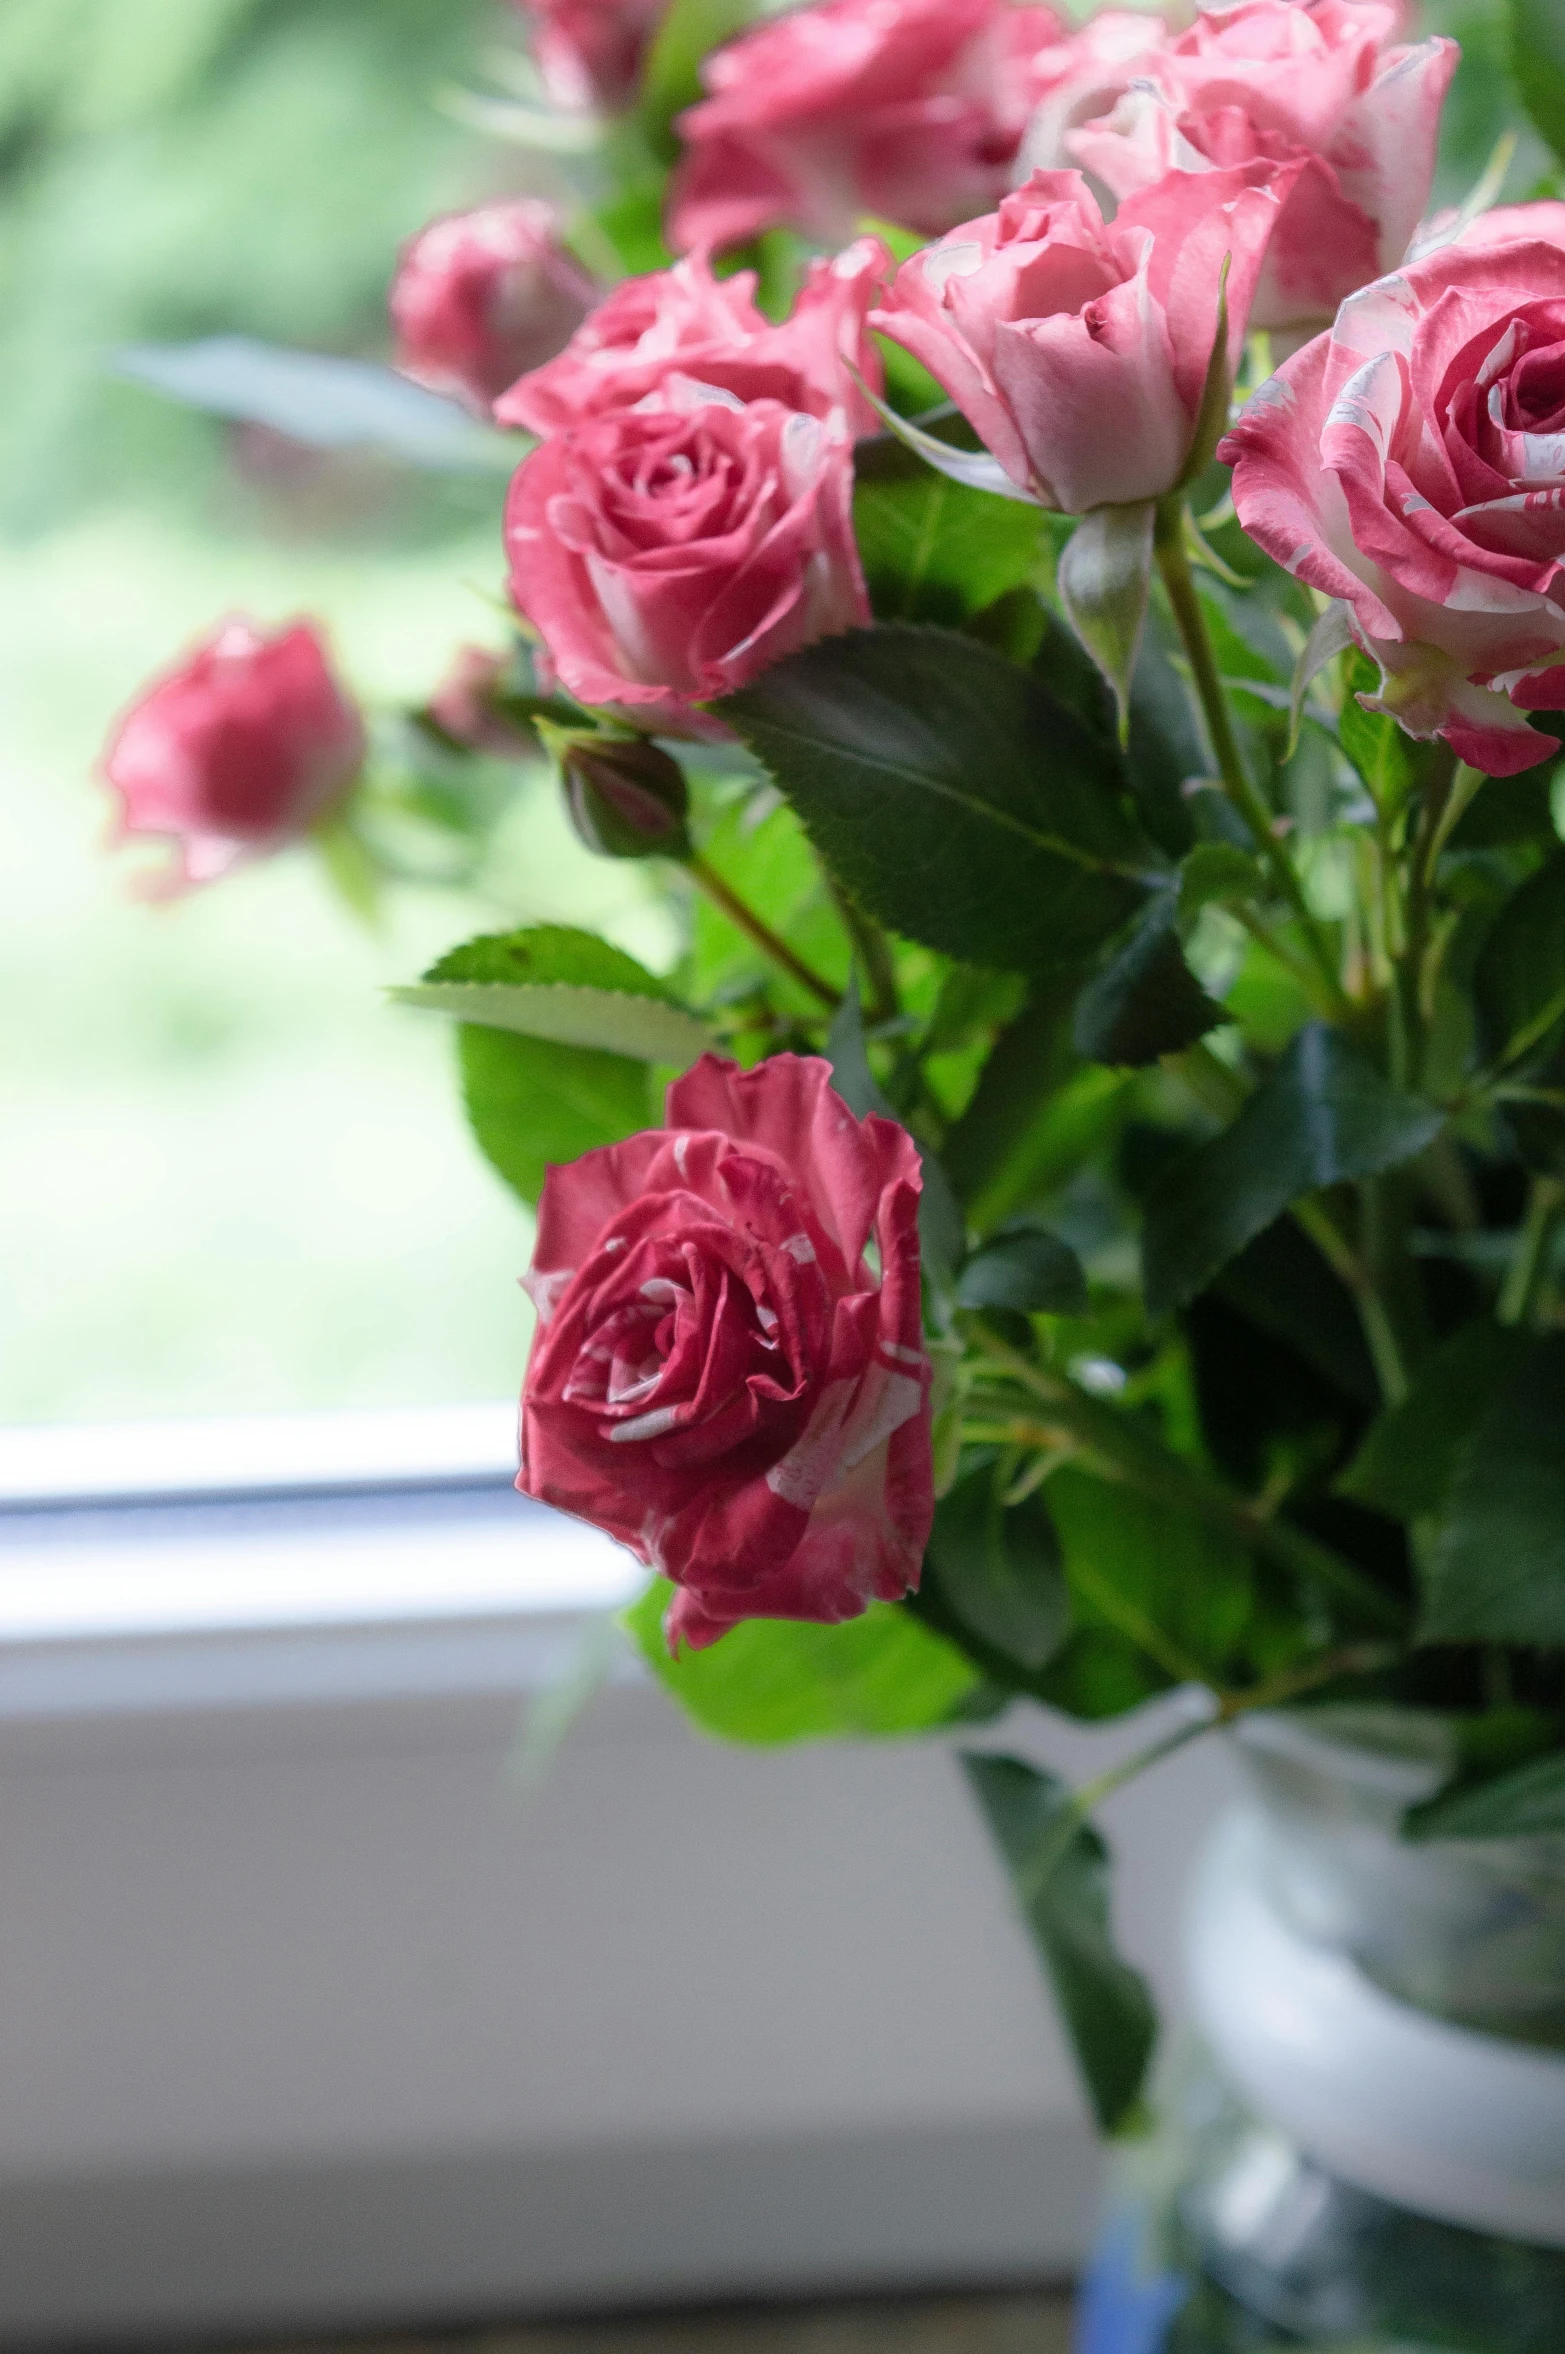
[(721, 1379), (1080, 77), (464, 707), (240, 750), (1077, 349), (685, 321), (480, 296), (1502, 225), (591, 52), (1412, 462), (910, 110), (667, 554), (1323, 84)]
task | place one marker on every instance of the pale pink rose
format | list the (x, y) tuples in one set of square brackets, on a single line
[(1078, 349), (1081, 77), (687, 322), (665, 554), (591, 52), (1324, 84), (1504, 224), (241, 749), (480, 296), (1412, 462), (910, 110), (721, 1378)]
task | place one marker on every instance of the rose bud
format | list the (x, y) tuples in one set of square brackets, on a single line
[(1079, 350), (591, 52), (1274, 81), (243, 748), (910, 110), (722, 1378), (1412, 463), (667, 554), (626, 798), (468, 706), (480, 297), (688, 322)]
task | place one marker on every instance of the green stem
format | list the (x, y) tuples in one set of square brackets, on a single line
[(871, 951), (1529, 1267), (760, 933)]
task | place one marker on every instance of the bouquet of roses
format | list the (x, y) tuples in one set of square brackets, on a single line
[(1054, 559)]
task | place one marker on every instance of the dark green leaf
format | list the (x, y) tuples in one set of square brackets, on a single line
[(1179, 1589), (933, 549), (941, 1233), (1218, 874), (999, 1570), (1519, 982), (1538, 57), (1280, 1284), (1145, 1002), (772, 1680), (1324, 1115), (1059, 1868), (1528, 1803), (1025, 1268), (1408, 1460), (1498, 1572), (951, 794)]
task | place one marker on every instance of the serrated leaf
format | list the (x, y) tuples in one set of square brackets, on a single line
[(1527, 1803), (999, 1570), (1027, 1269), (931, 549), (1519, 979), (647, 1028), (314, 397), (1059, 1869), (1498, 1570), (951, 794), (1323, 1116), (1538, 60), (1408, 1460), (1145, 1002), (1104, 578), (774, 1680)]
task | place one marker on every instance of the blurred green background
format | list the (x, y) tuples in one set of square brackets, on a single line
[(232, 1179)]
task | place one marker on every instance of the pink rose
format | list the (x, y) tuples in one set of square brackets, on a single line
[(480, 296), (911, 110), (1503, 225), (591, 52), (721, 1379), (1077, 349), (1412, 463), (1323, 85), (239, 751), (1081, 76), (685, 321), (667, 553), (464, 706)]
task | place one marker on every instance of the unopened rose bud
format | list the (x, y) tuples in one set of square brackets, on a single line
[(469, 706), (626, 799), (481, 297)]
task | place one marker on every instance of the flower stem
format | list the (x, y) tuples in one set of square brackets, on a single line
[(1529, 1267), (744, 919)]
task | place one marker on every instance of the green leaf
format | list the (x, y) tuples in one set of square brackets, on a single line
[(773, 1680), (647, 1028), (534, 1100), (1145, 1002), (999, 1570), (1519, 980), (1323, 1116), (671, 77), (1538, 59), (951, 794), (1498, 1569), (1104, 576), (1059, 1868), (1408, 1460), (933, 550), (941, 1233), (1528, 1803), (1218, 874), (1374, 743), (1183, 1592), (1025, 1268)]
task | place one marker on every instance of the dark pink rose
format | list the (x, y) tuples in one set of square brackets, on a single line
[(591, 52), (687, 322), (480, 296), (1323, 84), (666, 554), (243, 748), (721, 1378), (910, 110), (1079, 349), (1412, 462)]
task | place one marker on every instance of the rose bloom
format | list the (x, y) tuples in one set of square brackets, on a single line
[(1412, 463), (721, 1378), (240, 750), (478, 297), (666, 554), (1079, 350), (1323, 84), (591, 52), (1081, 77), (685, 321), (911, 110)]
